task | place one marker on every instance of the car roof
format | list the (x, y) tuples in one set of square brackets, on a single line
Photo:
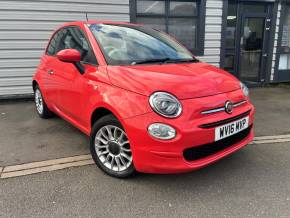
[(79, 23)]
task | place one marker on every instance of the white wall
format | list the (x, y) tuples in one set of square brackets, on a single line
[(213, 32), (275, 42)]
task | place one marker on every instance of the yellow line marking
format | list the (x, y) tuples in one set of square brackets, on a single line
[(271, 137), (45, 169), (271, 141), (45, 163)]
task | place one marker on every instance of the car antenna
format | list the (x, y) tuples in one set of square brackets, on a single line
[(87, 16)]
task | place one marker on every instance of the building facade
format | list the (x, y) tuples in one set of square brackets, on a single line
[(248, 38)]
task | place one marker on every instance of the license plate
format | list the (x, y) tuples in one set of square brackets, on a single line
[(230, 129)]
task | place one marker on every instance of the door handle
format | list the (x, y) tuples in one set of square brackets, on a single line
[(265, 55), (50, 72)]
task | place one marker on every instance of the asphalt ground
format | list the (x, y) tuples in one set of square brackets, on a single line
[(253, 182)]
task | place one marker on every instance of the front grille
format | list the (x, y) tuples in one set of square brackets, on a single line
[(206, 150), (219, 123)]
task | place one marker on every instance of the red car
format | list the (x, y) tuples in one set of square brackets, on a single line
[(146, 102)]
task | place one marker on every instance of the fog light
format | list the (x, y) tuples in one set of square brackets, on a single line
[(161, 131)]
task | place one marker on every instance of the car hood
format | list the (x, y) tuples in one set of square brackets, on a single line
[(186, 80)]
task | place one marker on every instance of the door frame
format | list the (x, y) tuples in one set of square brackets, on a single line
[(265, 75), (265, 46)]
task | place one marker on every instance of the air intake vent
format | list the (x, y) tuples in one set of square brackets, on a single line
[(197, 153)]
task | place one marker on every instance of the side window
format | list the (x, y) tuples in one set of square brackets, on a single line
[(75, 39), (52, 45), (54, 42)]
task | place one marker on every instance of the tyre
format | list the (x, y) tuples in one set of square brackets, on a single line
[(110, 148), (41, 108)]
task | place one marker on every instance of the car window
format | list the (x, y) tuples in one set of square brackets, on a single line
[(128, 44), (53, 44), (74, 38)]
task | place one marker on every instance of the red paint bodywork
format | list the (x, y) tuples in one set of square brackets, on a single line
[(125, 91), (69, 55)]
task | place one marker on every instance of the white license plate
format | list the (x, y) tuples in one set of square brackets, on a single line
[(230, 129)]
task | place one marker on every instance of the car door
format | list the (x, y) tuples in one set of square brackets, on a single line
[(72, 83), (48, 63)]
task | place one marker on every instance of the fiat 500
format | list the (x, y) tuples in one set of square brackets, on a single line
[(147, 104)]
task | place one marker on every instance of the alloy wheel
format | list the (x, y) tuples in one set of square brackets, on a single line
[(38, 101), (113, 148)]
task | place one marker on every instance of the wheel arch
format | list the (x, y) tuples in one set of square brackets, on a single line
[(102, 111), (34, 84)]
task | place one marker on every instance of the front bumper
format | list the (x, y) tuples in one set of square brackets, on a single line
[(151, 155)]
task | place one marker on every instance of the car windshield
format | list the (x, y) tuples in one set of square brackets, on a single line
[(131, 45)]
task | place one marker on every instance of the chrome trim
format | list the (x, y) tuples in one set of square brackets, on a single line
[(240, 103), (213, 110), (219, 109)]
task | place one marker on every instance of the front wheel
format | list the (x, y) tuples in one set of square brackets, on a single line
[(110, 148)]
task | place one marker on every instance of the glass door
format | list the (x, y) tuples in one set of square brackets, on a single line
[(255, 24), (252, 50), (246, 36)]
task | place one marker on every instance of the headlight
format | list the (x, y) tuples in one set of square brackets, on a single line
[(165, 104), (161, 131), (245, 89)]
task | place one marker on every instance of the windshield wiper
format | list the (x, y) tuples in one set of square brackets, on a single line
[(193, 60), (165, 60), (148, 61)]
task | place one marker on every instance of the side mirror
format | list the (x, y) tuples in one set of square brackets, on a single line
[(71, 56)]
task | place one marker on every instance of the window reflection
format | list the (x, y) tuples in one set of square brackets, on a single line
[(158, 24), (176, 17), (231, 25), (183, 8), (253, 34), (151, 7), (184, 30), (125, 44)]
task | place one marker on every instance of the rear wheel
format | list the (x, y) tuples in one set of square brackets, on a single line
[(40, 104), (110, 148)]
